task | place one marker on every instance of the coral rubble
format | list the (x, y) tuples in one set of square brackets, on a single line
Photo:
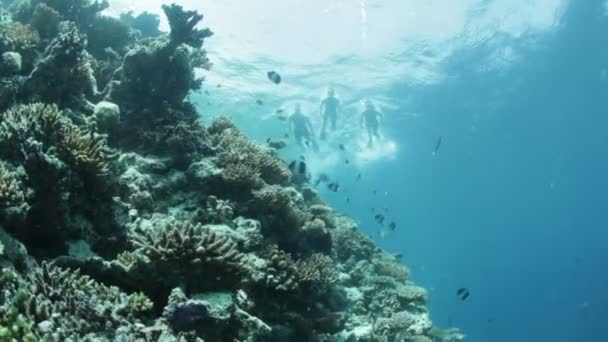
[(124, 218)]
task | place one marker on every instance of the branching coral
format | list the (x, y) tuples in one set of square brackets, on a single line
[(19, 37), (108, 32), (235, 149), (85, 152), (64, 75), (45, 19), (318, 269), (57, 304), (146, 23), (11, 189), (286, 274), (349, 242), (189, 251), (13, 196)]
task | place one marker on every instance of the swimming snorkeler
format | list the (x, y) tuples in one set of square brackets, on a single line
[(372, 119), (300, 126), (329, 111)]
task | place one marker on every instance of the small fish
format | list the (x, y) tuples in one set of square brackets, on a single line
[(206, 92), (219, 85), (375, 191), (346, 162), (463, 293), (302, 168), (282, 117), (347, 199), (358, 177), (437, 145), (292, 165), (259, 102), (379, 218), (279, 111), (277, 145), (392, 226), (286, 136), (268, 141), (302, 157), (322, 178), (274, 77), (341, 147), (398, 256), (333, 187)]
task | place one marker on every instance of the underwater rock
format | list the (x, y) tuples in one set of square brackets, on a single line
[(10, 63), (107, 116)]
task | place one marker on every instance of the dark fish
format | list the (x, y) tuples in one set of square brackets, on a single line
[(398, 256), (322, 178), (286, 135), (206, 92), (437, 145), (282, 117), (268, 141), (463, 293), (392, 226), (277, 145), (347, 199), (292, 165), (358, 176), (374, 192), (279, 111), (302, 157), (259, 102), (274, 77), (219, 85), (379, 218), (302, 168), (346, 161), (333, 187), (341, 147)]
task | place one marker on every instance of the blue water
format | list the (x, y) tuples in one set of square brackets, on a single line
[(514, 206)]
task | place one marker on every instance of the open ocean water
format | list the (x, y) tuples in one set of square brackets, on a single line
[(512, 206)]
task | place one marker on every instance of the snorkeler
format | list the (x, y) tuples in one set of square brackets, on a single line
[(329, 111), (302, 130), (371, 116)]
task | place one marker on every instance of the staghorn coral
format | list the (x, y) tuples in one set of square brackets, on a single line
[(183, 25)]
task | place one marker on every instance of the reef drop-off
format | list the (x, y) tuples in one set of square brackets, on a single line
[(123, 218)]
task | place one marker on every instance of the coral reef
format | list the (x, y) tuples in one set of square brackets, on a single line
[(124, 218)]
